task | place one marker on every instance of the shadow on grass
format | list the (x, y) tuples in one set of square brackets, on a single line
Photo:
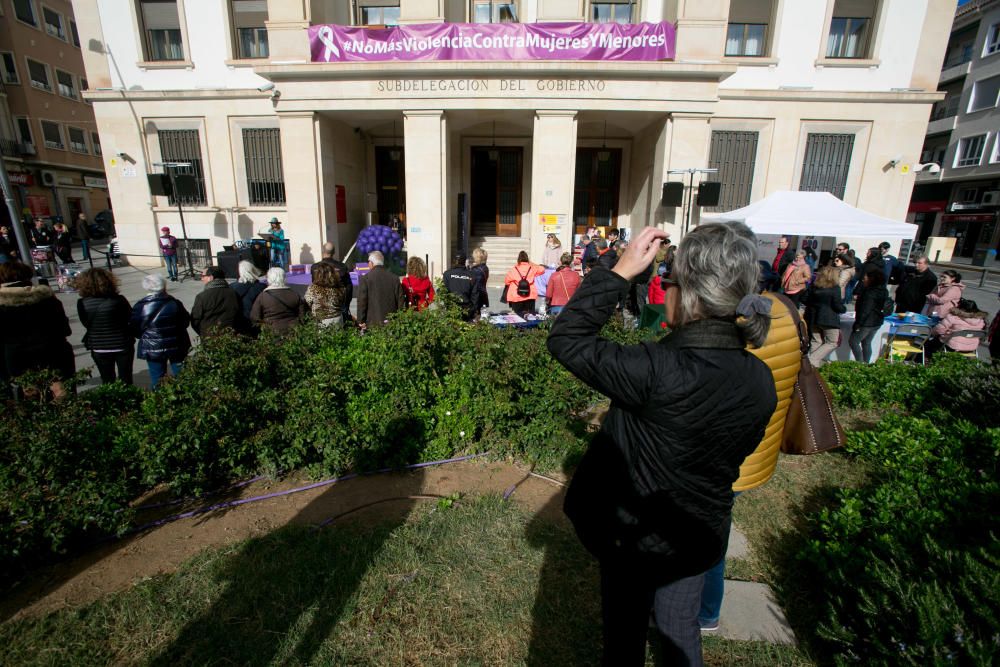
[(279, 598)]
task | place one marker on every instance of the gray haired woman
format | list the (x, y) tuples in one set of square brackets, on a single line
[(278, 306), (652, 497), (248, 288), (160, 322)]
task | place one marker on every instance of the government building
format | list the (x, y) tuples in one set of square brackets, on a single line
[(514, 119)]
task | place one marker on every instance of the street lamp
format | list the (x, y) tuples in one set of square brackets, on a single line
[(690, 191), (169, 168)]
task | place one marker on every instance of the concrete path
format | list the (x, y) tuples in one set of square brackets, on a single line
[(749, 611)]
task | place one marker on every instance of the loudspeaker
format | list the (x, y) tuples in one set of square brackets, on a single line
[(258, 256), (229, 262), (673, 194), (159, 185), (708, 193), (186, 185)]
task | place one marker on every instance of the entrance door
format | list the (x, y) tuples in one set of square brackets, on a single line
[(75, 205), (390, 184), (595, 198), (496, 190)]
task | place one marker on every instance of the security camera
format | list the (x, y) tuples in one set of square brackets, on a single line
[(895, 160), (266, 87), (121, 154)]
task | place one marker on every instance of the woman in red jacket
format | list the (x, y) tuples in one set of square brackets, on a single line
[(416, 285), (522, 304), (562, 285)]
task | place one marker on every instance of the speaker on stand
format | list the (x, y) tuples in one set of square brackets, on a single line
[(673, 194)]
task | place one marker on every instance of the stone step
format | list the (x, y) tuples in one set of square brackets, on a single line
[(749, 613)]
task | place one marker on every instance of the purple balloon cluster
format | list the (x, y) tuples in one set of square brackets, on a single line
[(381, 238)]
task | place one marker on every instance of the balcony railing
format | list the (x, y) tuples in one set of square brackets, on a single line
[(958, 59), (945, 109), (10, 148)]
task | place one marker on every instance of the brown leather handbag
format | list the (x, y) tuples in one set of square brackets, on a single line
[(811, 426)]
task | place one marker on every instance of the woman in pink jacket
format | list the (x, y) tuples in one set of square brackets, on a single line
[(946, 295), (796, 278), (966, 316)]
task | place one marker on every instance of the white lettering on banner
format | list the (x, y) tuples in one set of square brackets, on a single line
[(479, 41), (489, 86)]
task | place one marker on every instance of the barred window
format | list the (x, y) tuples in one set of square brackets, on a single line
[(734, 155), (185, 146), (826, 163), (265, 176)]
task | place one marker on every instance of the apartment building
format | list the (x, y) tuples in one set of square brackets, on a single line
[(308, 112), (962, 199), (48, 135)]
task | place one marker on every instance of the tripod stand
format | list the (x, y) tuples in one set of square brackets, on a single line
[(187, 271)]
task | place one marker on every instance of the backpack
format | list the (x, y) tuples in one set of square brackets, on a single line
[(888, 307), (523, 286)]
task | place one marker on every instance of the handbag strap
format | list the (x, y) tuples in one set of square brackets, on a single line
[(563, 283), (800, 326)]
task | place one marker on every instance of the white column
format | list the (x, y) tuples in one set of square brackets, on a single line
[(553, 170), (425, 144), (304, 225)]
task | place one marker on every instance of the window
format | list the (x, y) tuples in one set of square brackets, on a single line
[(24, 130), (84, 86), (161, 30), (265, 176), (24, 10), (77, 140), (826, 163), (596, 187), (249, 31), (984, 94), (992, 40), (184, 146), (746, 39), (65, 81), (39, 74), (9, 68), (378, 12), (493, 11), (95, 141), (52, 134), (734, 155), (970, 151), (613, 11), (848, 38), (53, 23), (74, 34)]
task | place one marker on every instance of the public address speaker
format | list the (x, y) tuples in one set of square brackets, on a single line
[(159, 185), (708, 193), (673, 194), (186, 185)]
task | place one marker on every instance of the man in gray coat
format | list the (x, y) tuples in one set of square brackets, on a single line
[(83, 233), (379, 293)]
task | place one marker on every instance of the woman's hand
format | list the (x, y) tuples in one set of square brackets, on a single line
[(640, 253)]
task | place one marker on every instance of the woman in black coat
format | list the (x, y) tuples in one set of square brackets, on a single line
[(248, 288), (105, 313), (868, 316), (160, 322), (33, 328), (823, 309), (652, 497)]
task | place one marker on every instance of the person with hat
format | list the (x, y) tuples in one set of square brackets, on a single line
[(277, 243), (168, 248)]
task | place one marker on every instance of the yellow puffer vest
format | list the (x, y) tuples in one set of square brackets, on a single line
[(783, 356)]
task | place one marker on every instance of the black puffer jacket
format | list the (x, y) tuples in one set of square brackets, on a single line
[(824, 307), (868, 312), (160, 323), (655, 486), (107, 321)]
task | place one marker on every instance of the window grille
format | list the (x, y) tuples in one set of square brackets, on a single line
[(265, 175), (734, 154), (184, 146), (827, 161)]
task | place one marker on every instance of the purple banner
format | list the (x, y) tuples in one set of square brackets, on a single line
[(494, 41)]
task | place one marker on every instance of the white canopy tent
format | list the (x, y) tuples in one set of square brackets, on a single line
[(813, 214)]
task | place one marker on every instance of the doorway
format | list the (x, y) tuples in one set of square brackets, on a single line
[(390, 184), (495, 208), (597, 180)]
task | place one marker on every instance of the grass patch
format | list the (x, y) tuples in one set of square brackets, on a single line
[(479, 583)]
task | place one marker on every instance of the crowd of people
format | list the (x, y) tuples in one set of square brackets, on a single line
[(58, 237)]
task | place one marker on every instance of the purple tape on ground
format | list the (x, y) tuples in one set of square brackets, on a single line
[(171, 503), (288, 492), (509, 492)]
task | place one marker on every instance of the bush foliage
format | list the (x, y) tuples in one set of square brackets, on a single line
[(426, 387), (907, 568)]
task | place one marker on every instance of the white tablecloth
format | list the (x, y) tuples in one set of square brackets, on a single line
[(843, 352)]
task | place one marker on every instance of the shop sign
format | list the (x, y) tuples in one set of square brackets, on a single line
[(94, 182), (494, 41), (928, 206), (38, 205), (21, 178), (968, 217)]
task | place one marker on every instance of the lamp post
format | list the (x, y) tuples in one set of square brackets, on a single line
[(169, 167), (690, 192), (15, 220)]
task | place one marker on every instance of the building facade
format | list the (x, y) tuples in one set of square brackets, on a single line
[(48, 134), (775, 94), (962, 199)]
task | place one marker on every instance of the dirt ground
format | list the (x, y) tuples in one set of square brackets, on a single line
[(117, 564)]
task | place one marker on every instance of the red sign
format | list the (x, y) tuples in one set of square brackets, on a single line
[(927, 206), (341, 205), (39, 205), (968, 217), (21, 178)]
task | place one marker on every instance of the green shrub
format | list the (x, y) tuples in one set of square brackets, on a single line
[(64, 476)]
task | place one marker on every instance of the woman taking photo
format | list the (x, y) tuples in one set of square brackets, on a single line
[(523, 274), (652, 497), (105, 313)]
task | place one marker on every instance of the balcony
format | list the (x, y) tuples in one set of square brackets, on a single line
[(9, 148), (944, 116), (955, 68)]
